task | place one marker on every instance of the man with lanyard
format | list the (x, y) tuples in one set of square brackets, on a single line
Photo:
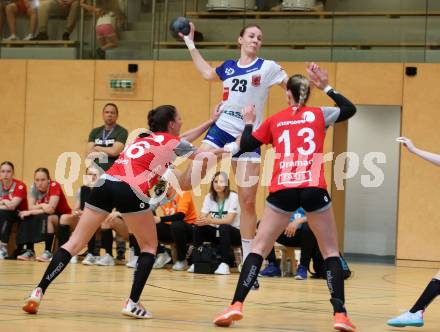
[(104, 146)]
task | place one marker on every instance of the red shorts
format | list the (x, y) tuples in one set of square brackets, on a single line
[(105, 30), (21, 6)]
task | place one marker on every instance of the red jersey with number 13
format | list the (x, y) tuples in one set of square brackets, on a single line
[(141, 162), (298, 139)]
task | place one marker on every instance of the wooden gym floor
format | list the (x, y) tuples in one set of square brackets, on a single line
[(87, 298)]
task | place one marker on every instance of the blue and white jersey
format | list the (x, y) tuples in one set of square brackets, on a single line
[(246, 85)]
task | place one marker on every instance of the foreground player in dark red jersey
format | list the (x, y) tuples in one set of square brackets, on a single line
[(124, 187), (297, 134)]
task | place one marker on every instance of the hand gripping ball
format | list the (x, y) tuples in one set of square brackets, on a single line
[(179, 24)]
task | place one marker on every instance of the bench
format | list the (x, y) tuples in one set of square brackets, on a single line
[(22, 43)]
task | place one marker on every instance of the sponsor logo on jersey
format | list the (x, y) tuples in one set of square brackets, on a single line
[(295, 178), (295, 163), (256, 80), (229, 71), (225, 93), (235, 114), (290, 123)]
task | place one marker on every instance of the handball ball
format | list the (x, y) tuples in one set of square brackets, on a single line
[(179, 24)]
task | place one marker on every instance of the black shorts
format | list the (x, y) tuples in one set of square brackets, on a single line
[(116, 194), (289, 200)]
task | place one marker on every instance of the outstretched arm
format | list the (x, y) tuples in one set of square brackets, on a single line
[(204, 68), (429, 156)]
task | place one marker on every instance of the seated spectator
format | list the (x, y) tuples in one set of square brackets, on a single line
[(296, 234), (13, 199), (219, 222), (175, 226), (46, 203), (107, 12), (67, 8), (21, 7)]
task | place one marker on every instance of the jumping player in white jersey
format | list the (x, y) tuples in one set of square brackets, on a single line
[(414, 317), (245, 81)]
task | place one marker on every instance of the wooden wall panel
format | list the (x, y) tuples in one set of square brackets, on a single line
[(371, 83), (12, 112), (144, 80), (418, 213), (59, 109)]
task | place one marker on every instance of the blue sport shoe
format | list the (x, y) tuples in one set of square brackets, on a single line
[(407, 319), (301, 273), (271, 270)]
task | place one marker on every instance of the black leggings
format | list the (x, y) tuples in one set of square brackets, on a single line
[(303, 238), (178, 232), (228, 236)]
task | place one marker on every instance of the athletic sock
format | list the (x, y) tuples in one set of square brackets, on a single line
[(58, 263), (429, 294), (49, 241), (63, 234), (249, 273), (335, 283), (143, 268), (246, 245)]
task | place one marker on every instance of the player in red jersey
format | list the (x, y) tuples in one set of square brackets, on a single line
[(124, 187), (297, 134), (13, 199)]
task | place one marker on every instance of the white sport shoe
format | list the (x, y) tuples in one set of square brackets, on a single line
[(132, 262), (135, 310), (105, 260), (180, 266), (89, 260), (33, 301), (223, 268), (3, 251), (191, 269), (28, 255), (407, 319), (12, 37), (162, 259), (46, 256), (28, 37), (74, 260)]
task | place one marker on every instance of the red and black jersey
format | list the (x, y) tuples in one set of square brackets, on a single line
[(16, 189), (143, 161), (54, 190), (297, 136)]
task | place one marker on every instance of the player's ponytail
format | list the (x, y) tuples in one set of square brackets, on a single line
[(160, 117), (299, 86)]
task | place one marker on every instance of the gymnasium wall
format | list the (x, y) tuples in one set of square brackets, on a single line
[(48, 108)]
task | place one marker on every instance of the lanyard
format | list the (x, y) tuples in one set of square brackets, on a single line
[(220, 209), (104, 135)]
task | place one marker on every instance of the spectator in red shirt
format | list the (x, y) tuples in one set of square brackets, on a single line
[(47, 204), (13, 198)]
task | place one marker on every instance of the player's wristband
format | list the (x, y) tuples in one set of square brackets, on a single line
[(232, 147), (327, 89), (189, 43)]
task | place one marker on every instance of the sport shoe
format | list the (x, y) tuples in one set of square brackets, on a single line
[(179, 266), (162, 259), (74, 260), (46, 256), (135, 310), (28, 255), (223, 268), (342, 323), (256, 285), (28, 37), (407, 319), (3, 251), (41, 36), (33, 301), (271, 270), (301, 273), (89, 260), (105, 260), (229, 315), (191, 269), (12, 37), (132, 262)]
